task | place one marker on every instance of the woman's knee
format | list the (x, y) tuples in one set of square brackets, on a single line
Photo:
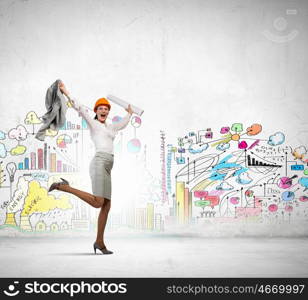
[(99, 201)]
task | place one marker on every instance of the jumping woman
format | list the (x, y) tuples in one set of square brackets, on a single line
[(102, 134)]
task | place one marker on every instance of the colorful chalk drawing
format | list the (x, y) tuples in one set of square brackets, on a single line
[(28, 169), (234, 175), (259, 179)]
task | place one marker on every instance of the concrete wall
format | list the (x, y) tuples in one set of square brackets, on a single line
[(188, 64)]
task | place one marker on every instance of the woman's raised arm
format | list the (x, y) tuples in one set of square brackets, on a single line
[(84, 112), (123, 123)]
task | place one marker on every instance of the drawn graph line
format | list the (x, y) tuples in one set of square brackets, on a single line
[(65, 157), (264, 172), (254, 139), (276, 178), (225, 198), (222, 139), (210, 157), (184, 172)]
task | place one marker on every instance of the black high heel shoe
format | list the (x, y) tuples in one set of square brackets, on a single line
[(104, 250), (56, 185)]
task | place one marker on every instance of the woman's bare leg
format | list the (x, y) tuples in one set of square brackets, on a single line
[(97, 202), (101, 222), (94, 201)]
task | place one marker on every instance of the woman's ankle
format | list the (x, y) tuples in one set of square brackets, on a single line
[(100, 242)]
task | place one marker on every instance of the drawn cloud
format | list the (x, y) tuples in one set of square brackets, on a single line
[(243, 178), (223, 146), (300, 150), (19, 133), (38, 200), (2, 135), (304, 182), (32, 118), (224, 186), (18, 150), (237, 127), (300, 153), (254, 129), (50, 132), (276, 139), (196, 148), (2, 150)]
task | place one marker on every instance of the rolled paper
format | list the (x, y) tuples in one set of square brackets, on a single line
[(125, 104)]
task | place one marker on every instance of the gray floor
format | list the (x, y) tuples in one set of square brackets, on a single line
[(154, 256)]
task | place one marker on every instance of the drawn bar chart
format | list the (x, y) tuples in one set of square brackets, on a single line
[(252, 162)]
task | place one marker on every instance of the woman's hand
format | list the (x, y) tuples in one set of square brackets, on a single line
[(63, 89), (129, 109)]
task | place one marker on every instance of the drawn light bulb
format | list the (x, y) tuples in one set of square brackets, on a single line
[(11, 168)]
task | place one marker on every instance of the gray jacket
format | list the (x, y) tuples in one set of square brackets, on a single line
[(54, 118)]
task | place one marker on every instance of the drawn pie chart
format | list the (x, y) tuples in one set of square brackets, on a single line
[(303, 199), (63, 140), (285, 182), (116, 119), (287, 196), (234, 200), (134, 146), (273, 207), (136, 122), (249, 193)]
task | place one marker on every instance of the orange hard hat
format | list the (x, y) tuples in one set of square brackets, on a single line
[(101, 101)]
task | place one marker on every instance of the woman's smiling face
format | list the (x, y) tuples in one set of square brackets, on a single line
[(102, 113)]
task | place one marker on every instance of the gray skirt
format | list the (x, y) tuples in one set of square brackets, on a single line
[(100, 173)]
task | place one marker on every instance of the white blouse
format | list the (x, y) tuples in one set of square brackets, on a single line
[(102, 134)]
